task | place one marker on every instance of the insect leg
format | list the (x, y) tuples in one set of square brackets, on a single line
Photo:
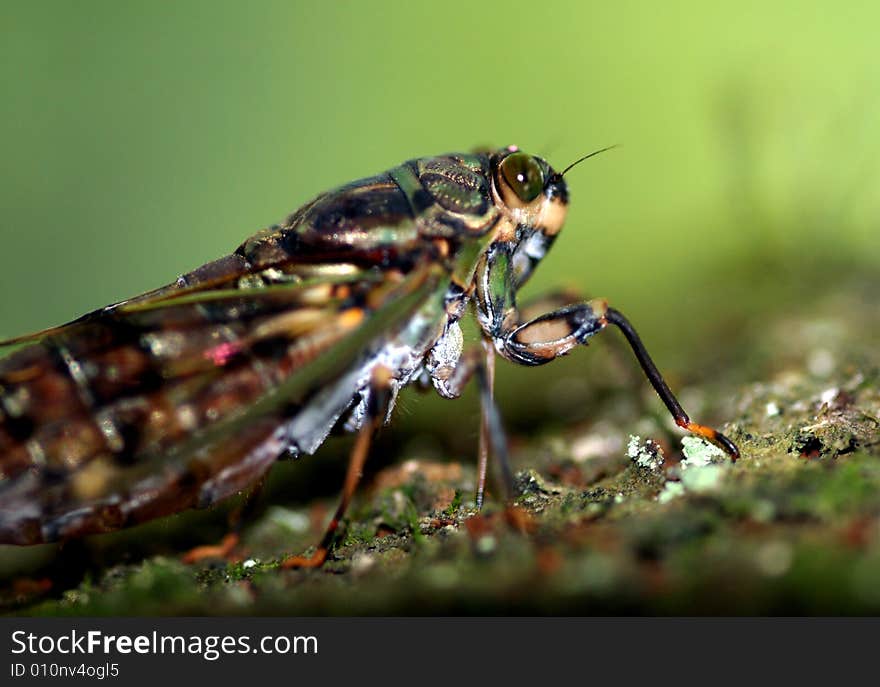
[(616, 318), (379, 398), (223, 550), (538, 340), (485, 439), (553, 334), (480, 362), (237, 518), (544, 338)]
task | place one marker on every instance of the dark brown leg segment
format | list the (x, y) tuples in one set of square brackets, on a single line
[(614, 317), (376, 411)]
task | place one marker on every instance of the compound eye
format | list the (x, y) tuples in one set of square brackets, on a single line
[(522, 174)]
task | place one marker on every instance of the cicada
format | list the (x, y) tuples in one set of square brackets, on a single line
[(186, 395)]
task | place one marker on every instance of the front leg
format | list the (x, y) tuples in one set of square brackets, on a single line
[(549, 336), (450, 375)]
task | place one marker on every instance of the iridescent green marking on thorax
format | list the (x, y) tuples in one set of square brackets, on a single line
[(450, 198)]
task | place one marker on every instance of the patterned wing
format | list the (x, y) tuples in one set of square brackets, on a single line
[(177, 400)]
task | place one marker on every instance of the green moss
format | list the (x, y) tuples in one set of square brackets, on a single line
[(452, 509)]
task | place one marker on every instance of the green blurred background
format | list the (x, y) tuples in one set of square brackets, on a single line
[(143, 139)]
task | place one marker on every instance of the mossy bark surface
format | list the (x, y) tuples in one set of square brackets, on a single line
[(616, 525)]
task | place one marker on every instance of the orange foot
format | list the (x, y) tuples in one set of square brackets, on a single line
[(27, 587), (316, 560), (225, 550)]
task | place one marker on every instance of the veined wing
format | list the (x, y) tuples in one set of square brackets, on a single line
[(339, 235), (162, 404)]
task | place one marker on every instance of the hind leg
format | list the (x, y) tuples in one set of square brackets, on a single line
[(377, 408)]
